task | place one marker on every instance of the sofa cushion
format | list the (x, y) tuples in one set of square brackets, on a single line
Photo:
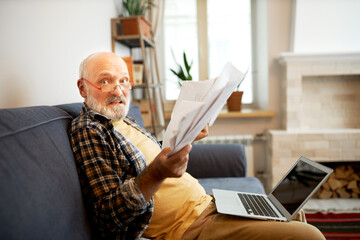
[(40, 190), (217, 160)]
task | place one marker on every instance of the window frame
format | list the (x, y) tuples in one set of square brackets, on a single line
[(259, 52)]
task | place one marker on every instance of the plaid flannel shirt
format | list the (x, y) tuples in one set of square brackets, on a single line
[(107, 164)]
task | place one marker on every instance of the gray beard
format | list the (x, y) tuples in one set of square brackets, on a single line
[(114, 113)]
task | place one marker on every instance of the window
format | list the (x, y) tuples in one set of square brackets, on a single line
[(229, 38), (180, 34), (228, 27)]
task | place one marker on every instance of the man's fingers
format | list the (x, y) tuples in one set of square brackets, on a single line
[(181, 156), (185, 150), (166, 151)]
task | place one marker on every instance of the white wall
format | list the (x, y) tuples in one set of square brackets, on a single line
[(42, 43), (327, 26)]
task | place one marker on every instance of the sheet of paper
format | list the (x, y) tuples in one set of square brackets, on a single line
[(198, 104)]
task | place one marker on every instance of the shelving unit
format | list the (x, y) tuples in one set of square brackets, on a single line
[(151, 82)]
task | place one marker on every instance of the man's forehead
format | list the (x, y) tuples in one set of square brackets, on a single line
[(107, 67), (112, 72), (106, 59)]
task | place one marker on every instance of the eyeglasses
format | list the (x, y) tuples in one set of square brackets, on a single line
[(124, 85)]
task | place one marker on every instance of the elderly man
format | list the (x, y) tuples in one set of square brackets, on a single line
[(131, 187)]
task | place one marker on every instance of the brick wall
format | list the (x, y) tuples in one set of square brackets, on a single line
[(330, 102), (318, 145)]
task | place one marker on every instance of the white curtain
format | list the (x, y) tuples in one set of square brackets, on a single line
[(156, 18)]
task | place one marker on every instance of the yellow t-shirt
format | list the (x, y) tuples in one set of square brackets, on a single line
[(178, 202)]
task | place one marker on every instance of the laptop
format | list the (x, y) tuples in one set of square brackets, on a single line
[(284, 201)]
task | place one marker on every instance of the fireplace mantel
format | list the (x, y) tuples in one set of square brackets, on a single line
[(295, 67), (320, 110), (288, 57)]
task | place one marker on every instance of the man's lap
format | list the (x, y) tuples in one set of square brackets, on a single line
[(213, 225)]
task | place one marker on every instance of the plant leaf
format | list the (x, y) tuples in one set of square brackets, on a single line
[(181, 73), (173, 71), (136, 7), (187, 67)]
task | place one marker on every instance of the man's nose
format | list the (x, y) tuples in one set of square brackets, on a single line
[(118, 91)]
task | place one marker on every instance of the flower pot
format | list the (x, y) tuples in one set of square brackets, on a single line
[(130, 26), (234, 101)]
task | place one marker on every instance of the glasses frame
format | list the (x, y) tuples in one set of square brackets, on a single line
[(100, 88)]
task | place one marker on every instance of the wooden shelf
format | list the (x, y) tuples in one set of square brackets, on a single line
[(245, 113), (133, 41), (136, 39)]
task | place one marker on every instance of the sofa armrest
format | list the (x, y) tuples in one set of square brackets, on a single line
[(217, 160)]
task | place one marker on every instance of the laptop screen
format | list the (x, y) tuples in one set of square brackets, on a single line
[(297, 185)]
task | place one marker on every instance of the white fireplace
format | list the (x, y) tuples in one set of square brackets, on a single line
[(320, 111)]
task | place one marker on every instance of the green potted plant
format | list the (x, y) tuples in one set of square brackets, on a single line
[(134, 11), (180, 73), (234, 101)]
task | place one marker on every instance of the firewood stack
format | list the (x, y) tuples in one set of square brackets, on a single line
[(344, 182)]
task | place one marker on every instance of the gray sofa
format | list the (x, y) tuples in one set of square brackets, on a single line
[(40, 195)]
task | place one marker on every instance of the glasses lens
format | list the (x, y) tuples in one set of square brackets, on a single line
[(126, 86), (111, 88), (107, 88)]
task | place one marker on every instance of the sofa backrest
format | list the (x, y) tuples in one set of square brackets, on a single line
[(40, 196)]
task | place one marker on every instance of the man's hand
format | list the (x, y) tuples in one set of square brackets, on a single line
[(204, 133), (163, 166)]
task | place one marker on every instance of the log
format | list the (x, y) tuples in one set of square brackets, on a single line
[(354, 195), (332, 176), (340, 171), (335, 183), (343, 193), (352, 185), (326, 185), (325, 194), (356, 190), (343, 172), (335, 195), (344, 182), (354, 176)]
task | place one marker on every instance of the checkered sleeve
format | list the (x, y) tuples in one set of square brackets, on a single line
[(110, 193)]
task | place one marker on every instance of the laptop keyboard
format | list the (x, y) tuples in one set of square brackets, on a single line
[(257, 205)]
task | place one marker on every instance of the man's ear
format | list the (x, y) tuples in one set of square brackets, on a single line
[(82, 88)]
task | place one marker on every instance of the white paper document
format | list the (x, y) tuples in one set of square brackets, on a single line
[(199, 103)]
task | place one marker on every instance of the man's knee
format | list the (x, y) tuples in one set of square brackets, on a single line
[(307, 232), (314, 233)]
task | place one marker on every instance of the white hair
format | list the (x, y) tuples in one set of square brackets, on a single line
[(83, 65)]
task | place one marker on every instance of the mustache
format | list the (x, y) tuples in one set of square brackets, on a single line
[(116, 98)]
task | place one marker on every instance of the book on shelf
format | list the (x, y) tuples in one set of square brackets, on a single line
[(138, 71)]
